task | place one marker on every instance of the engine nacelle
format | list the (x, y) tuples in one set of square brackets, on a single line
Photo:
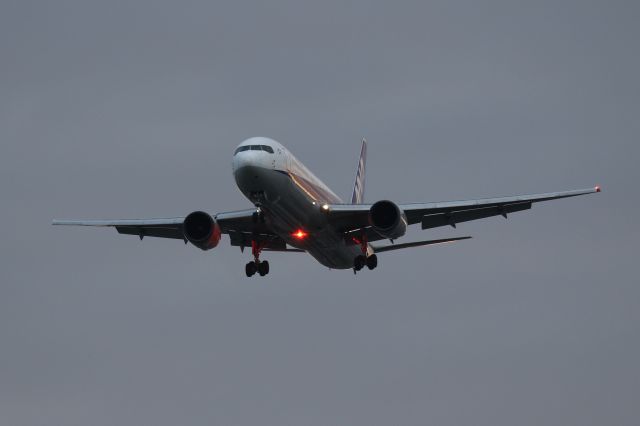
[(387, 219), (201, 230)]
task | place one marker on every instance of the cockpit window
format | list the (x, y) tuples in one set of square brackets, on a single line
[(265, 148)]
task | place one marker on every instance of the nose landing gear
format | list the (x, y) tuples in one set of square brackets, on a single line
[(262, 268)]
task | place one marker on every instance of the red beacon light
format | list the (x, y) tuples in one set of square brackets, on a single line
[(300, 234), (597, 188)]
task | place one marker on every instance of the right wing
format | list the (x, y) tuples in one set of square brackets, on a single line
[(239, 225), (163, 228)]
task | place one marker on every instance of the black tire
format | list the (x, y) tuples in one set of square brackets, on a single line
[(359, 262), (265, 265), (372, 262), (250, 269)]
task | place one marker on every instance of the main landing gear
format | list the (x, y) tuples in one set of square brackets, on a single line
[(363, 260), (256, 265), (261, 268)]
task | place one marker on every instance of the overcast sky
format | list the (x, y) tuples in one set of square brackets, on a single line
[(126, 109)]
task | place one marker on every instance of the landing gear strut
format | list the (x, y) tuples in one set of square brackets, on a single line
[(256, 265)]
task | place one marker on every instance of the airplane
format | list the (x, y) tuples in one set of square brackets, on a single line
[(294, 211)]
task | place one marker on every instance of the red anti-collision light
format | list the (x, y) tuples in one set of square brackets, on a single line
[(300, 234), (598, 188)]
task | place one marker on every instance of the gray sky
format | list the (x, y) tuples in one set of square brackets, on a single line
[(127, 109)]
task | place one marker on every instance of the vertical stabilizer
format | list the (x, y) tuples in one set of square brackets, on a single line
[(358, 187)]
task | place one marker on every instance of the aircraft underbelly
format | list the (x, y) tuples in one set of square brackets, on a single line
[(289, 208)]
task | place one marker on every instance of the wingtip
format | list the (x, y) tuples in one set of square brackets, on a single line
[(598, 188)]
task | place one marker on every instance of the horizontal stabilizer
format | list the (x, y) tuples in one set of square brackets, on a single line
[(417, 244)]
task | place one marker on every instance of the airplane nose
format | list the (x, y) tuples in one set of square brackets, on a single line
[(252, 158), (248, 170), (254, 182), (245, 175)]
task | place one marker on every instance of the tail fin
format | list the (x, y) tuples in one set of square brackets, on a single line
[(358, 187)]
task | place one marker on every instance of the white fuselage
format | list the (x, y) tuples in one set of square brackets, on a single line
[(291, 198)]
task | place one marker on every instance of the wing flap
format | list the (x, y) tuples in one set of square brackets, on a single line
[(152, 231), (451, 218)]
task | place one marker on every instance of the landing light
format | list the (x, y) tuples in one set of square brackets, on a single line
[(325, 207), (300, 234)]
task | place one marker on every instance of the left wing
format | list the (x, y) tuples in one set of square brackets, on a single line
[(354, 218)]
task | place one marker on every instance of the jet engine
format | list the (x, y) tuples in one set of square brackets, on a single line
[(201, 230), (387, 219)]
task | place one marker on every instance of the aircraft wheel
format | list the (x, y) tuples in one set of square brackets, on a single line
[(263, 268), (359, 262), (250, 269), (372, 262)]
